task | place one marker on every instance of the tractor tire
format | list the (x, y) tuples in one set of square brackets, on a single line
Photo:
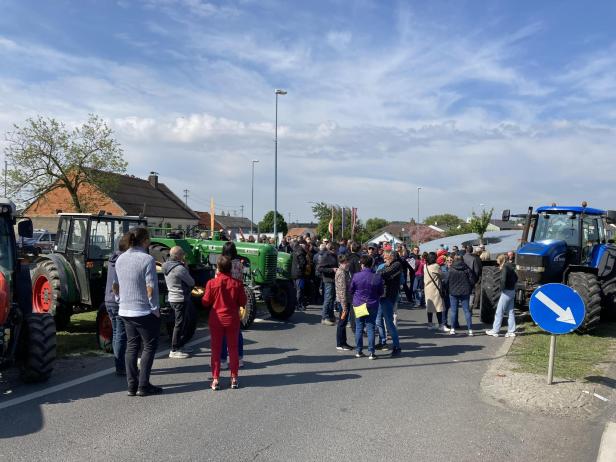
[(38, 347), (490, 293), (608, 304), (587, 286), (104, 330), (46, 294), (248, 313), (281, 304), (160, 252)]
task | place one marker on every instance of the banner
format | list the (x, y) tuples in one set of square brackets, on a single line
[(330, 228)]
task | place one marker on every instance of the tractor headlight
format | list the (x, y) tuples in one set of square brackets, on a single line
[(6, 209), (532, 269)]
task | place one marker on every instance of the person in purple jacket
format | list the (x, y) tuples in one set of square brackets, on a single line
[(366, 287)]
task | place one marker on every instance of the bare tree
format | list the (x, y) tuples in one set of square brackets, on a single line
[(43, 155)]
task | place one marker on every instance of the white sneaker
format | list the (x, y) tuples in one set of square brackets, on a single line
[(510, 334), (178, 354), (224, 364), (452, 332), (443, 328), (492, 333), (470, 332), (241, 362)]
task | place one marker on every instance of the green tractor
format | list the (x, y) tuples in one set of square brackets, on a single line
[(26, 337), (266, 273), (72, 278)]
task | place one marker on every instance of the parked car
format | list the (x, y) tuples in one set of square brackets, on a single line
[(42, 241)]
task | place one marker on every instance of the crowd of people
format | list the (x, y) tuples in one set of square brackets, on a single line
[(345, 275), (359, 286)]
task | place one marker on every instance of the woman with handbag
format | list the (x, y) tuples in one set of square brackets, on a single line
[(366, 290), (433, 289)]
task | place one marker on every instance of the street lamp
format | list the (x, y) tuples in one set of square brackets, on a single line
[(418, 189), (252, 198), (281, 93)]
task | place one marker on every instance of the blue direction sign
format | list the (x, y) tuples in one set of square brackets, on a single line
[(557, 308)]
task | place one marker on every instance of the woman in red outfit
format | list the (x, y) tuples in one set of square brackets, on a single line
[(224, 295)]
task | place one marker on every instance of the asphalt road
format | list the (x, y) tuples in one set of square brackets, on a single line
[(301, 400)]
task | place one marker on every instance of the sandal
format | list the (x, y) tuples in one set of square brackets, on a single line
[(234, 384), (215, 386)]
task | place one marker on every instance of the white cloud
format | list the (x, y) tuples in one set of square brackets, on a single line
[(339, 40)]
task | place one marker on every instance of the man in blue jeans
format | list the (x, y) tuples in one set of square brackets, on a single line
[(391, 278), (327, 269), (112, 306)]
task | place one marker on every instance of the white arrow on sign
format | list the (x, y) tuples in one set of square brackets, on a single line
[(564, 315)]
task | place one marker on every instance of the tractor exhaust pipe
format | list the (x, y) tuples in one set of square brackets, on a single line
[(529, 217)]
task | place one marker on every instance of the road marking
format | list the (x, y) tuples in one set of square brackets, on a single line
[(607, 448), (87, 378)]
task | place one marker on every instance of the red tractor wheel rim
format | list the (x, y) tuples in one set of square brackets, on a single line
[(105, 328), (42, 295)]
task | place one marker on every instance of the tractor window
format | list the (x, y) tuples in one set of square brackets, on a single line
[(62, 236), (77, 239), (560, 227), (101, 240), (7, 246)]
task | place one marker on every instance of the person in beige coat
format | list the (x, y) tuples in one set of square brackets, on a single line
[(433, 287)]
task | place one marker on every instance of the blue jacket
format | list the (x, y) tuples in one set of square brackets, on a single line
[(367, 287)]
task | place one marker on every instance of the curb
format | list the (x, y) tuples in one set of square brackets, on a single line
[(607, 448)]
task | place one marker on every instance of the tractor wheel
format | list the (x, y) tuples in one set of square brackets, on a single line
[(490, 292), (160, 252), (281, 304), (608, 312), (46, 294), (248, 313), (104, 330), (38, 347), (587, 286)]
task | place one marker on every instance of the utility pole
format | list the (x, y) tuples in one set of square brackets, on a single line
[(289, 222), (242, 209), (186, 197)]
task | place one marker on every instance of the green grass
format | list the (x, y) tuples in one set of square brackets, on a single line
[(80, 337), (577, 356)]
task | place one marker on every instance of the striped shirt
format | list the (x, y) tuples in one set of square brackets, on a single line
[(135, 272)]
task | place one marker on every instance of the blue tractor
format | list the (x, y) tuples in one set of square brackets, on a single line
[(568, 245)]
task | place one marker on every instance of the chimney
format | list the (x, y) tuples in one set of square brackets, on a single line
[(153, 180)]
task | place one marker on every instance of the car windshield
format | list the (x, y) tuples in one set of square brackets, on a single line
[(7, 250), (105, 236), (560, 227)]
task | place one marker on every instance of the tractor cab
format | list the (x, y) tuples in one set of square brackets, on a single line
[(562, 237), (87, 241)]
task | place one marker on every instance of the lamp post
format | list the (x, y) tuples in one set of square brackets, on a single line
[(418, 189), (276, 92), (252, 197)]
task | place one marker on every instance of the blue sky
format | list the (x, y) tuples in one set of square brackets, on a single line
[(504, 103)]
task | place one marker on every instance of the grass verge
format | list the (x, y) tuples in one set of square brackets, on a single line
[(80, 337), (577, 356)]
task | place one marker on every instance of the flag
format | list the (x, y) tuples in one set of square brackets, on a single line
[(331, 225), (212, 212), (353, 221)]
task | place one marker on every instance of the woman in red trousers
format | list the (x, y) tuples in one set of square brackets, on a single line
[(224, 295)]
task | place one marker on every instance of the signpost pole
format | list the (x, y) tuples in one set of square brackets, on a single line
[(551, 360)]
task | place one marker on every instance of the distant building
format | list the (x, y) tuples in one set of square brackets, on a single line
[(302, 231), (128, 196), (398, 232), (233, 226)]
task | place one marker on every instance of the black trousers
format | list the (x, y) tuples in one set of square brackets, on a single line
[(141, 330), (177, 339)]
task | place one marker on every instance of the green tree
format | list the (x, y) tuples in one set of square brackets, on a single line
[(44, 155), (267, 224), (323, 214), (479, 223), (374, 224), (444, 220)]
